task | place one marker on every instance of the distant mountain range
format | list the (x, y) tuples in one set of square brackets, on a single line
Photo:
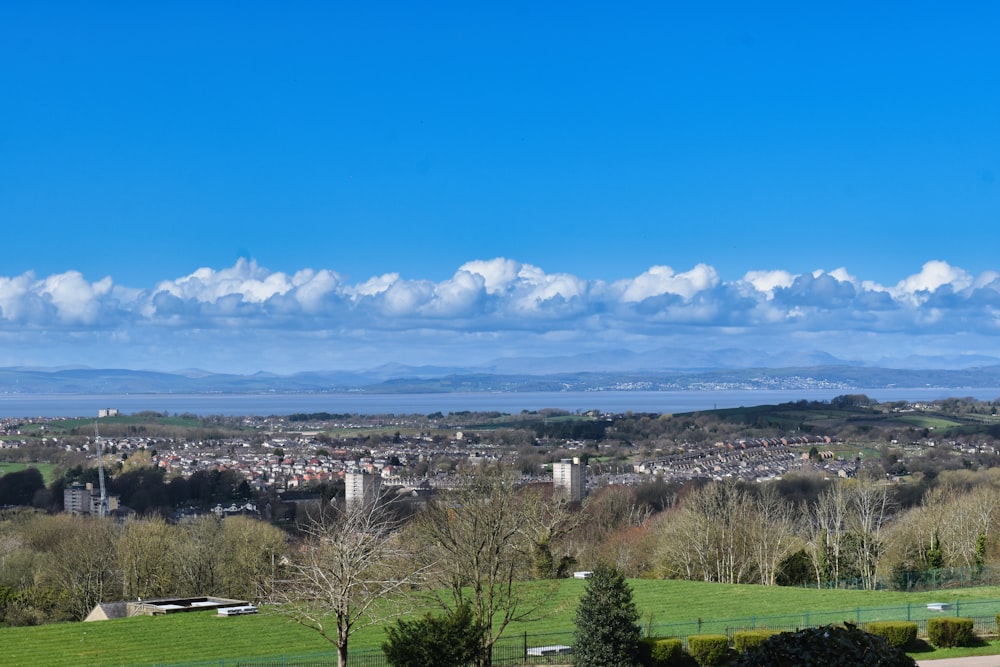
[(666, 369)]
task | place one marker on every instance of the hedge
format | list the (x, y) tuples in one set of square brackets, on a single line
[(708, 650), (659, 652), (898, 633), (747, 639), (948, 632)]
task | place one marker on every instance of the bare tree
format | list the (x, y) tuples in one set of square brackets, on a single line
[(773, 533), (147, 564), (827, 532), (722, 513), (85, 564), (197, 549), (476, 537), (872, 508), (912, 536), (681, 545), (548, 519), (710, 537), (612, 509), (251, 550), (351, 562), (968, 521)]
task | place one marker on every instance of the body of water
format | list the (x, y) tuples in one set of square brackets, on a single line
[(87, 405)]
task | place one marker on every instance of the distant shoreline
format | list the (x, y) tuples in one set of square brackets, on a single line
[(278, 404)]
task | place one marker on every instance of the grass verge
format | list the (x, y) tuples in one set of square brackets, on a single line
[(667, 607)]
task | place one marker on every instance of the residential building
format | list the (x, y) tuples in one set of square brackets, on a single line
[(359, 487), (568, 478), (82, 499)]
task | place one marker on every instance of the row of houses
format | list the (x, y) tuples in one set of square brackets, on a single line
[(750, 459)]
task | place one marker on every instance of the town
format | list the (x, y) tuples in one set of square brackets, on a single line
[(297, 456)]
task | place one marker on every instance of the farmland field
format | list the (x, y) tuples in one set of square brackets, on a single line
[(44, 468), (663, 605)]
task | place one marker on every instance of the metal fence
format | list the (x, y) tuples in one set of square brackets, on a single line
[(507, 652), (985, 611), (921, 580)]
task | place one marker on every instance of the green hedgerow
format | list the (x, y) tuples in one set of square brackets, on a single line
[(745, 640), (948, 632), (708, 650), (898, 633), (660, 652)]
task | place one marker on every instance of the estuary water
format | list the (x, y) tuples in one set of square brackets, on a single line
[(262, 405)]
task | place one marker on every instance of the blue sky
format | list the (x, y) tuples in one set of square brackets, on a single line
[(248, 186)]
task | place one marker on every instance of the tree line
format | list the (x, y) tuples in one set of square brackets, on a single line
[(58, 567)]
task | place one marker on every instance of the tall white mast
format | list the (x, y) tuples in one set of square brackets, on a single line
[(103, 509)]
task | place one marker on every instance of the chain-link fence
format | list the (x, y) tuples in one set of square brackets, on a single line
[(523, 649), (920, 580), (984, 613)]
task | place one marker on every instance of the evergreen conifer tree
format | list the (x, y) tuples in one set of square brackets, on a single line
[(607, 622)]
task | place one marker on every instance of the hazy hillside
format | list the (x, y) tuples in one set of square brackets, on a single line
[(498, 378)]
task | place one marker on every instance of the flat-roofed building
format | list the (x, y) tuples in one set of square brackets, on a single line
[(359, 488), (82, 499), (568, 478)]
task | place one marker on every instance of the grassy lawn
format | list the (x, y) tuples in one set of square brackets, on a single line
[(928, 421), (849, 451), (669, 607), (44, 468), (987, 648), (172, 639)]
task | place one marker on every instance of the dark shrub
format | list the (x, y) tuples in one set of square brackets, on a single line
[(451, 640), (949, 632), (657, 652), (826, 646), (708, 650), (898, 633)]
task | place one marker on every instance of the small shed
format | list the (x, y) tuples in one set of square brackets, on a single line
[(108, 610)]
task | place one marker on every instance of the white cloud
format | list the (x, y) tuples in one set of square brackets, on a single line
[(767, 281), (373, 286), (57, 300), (457, 297), (245, 279), (660, 280), (933, 276), (312, 287), (76, 300), (498, 274), (404, 298), (13, 296), (501, 299)]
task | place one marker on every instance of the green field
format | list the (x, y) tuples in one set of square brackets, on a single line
[(44, 468), (204, 636), (929, 421)]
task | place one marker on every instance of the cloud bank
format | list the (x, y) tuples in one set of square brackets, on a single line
[(246, 317)]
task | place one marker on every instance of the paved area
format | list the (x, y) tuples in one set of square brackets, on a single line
[(977, 661)]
